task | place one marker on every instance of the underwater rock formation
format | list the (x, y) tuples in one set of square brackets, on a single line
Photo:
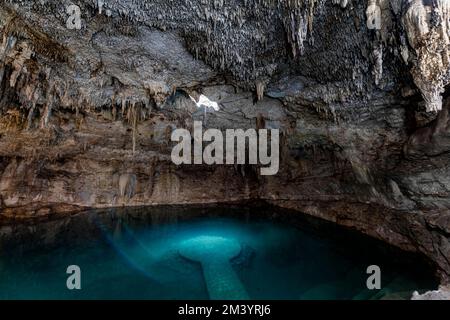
[(358, 90)]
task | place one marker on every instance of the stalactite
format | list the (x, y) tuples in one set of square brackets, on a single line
[(30, 116), (127, 185), (260, 90), (428, 31), (378, 63), (46, 115), (134, 120)]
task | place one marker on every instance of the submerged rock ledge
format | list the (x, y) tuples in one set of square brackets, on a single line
[(357, 89)]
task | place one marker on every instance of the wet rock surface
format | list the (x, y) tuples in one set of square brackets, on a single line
[(86, 115), (441, 294)]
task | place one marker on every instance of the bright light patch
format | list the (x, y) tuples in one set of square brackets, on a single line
[(203, 101), (206, 248)]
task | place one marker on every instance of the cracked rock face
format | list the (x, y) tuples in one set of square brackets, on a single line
[(356, 88)]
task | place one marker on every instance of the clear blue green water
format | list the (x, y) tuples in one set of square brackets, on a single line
[(135, 254)]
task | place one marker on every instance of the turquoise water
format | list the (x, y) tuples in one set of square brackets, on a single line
[(198, 253)]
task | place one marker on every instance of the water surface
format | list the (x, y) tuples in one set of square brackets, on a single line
[(134, 254)]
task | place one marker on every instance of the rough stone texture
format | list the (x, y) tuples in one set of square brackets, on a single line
[(86, 115), (441, 294)]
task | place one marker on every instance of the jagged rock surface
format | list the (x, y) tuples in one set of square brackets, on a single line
[(441, 294), (86, 115)]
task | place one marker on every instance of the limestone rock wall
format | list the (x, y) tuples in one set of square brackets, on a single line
[(358, 90)]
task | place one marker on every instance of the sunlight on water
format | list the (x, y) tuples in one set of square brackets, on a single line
[(218, 256)]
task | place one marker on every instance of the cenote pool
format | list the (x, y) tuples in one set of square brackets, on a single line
[(230, 252)]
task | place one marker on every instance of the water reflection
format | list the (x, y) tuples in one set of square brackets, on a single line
[(135, 253)]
